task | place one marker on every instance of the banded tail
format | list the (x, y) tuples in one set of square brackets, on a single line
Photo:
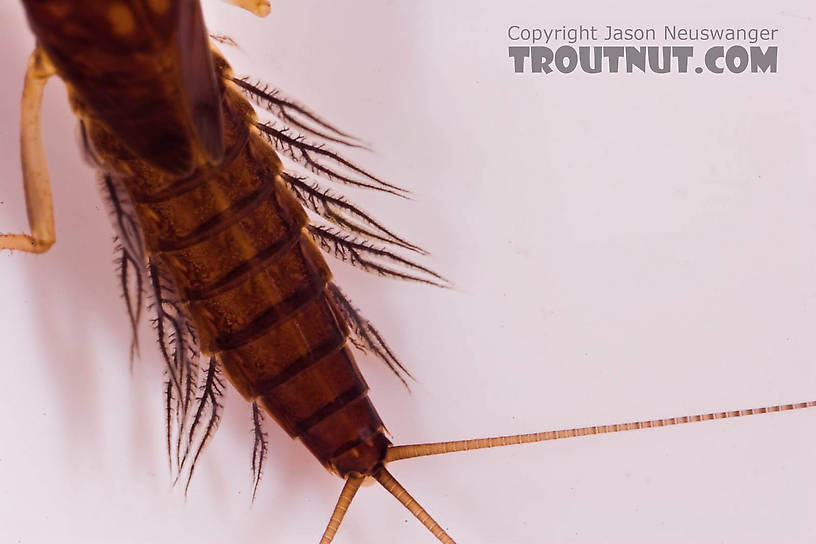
[(411, 451)]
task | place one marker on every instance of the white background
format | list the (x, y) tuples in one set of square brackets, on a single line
[(624, 247)]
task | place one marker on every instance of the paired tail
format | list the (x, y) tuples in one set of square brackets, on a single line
[(396, 453), (392, 486)]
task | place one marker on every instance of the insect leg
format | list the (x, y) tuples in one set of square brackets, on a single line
[(36, 182), (261, 8)]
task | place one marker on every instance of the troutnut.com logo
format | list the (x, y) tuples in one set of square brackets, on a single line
[(732, 50)]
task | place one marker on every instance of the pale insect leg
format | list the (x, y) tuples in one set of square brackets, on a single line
[(36, 182), (261, 8)]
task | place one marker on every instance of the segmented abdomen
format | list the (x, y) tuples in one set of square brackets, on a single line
[(233, 239)]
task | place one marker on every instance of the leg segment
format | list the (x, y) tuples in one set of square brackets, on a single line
[(36, 182), (260, 8)]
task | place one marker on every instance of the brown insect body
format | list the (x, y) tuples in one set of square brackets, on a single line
[(233, 239), (256, 286), (112, 53)]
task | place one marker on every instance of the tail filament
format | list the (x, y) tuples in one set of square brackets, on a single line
[(349, 490), (396, 453), (393, 486)]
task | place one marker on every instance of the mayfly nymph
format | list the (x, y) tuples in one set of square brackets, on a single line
[(215, 235)]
